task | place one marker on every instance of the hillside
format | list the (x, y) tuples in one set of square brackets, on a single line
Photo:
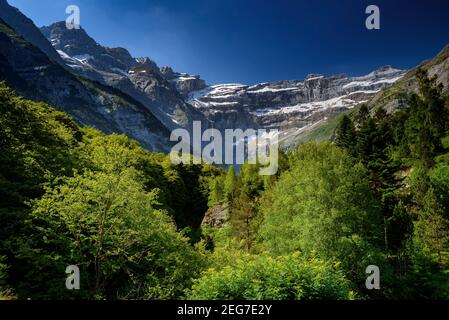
[(391, 98), (29, 70)]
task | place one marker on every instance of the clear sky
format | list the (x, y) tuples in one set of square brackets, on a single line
[(251, 41)]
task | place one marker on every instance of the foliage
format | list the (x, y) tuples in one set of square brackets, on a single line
[(5, 293), (131, 220), (323, 206), (76, 196), (106, 224), (265, 278)]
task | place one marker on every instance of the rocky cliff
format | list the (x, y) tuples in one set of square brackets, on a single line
[(289, 105), (185, 83), (110, 89), (34, 75), (140, 78)]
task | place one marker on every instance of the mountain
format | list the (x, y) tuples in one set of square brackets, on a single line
[(141, 78), (393, 98), (110, 89), (24, 26), (390, 98), (290, 106), (34, 75)]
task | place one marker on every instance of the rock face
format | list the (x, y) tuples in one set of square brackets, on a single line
[(35, 76), (184, 82), (287, 105), (24, 26), (393, 98), (216, 217), (390, 99), (140, 78)]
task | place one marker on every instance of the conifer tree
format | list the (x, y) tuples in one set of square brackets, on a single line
[(243, 215), (230, 184), (432, 228), (216, 195), (346, 135), (427, 120)]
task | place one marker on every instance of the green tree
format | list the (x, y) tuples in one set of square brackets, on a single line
[(362, 115), (323, 205), (243, 219), (252, 183), (230, 184), (346, 135), (216, 193), (432, 226), (107, 225), (5, 293), (427, 120)]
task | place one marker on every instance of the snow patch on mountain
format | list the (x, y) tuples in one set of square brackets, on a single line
[(290, 104), (83, 58)]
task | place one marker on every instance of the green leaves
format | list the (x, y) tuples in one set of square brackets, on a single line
[(76, 196), (261, 277), (319, 206), (113, 232)]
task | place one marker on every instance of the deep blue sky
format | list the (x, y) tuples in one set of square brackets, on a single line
[(250, 41)]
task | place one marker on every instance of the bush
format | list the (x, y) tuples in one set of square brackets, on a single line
[(264, 278)]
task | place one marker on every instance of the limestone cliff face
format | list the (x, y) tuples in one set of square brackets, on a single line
[(184, 82), (289, 105), (115, 92)]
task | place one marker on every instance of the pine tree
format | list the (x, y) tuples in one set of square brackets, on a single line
[(373, 151), (230, 184), (216, 195), (427, 121), (346, 135), (432, 228), (361, 115), (243, 215), (251, 182)]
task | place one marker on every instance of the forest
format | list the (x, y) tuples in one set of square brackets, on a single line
[(377, 194)]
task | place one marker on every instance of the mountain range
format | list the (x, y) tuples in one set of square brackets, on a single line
[(111, 90)]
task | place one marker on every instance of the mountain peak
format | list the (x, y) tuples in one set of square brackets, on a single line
[(386, 70), (68, 40), (77, 44)]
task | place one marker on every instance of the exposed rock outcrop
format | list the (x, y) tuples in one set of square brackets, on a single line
[(216, 217), (289, 105), (184, 82)]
